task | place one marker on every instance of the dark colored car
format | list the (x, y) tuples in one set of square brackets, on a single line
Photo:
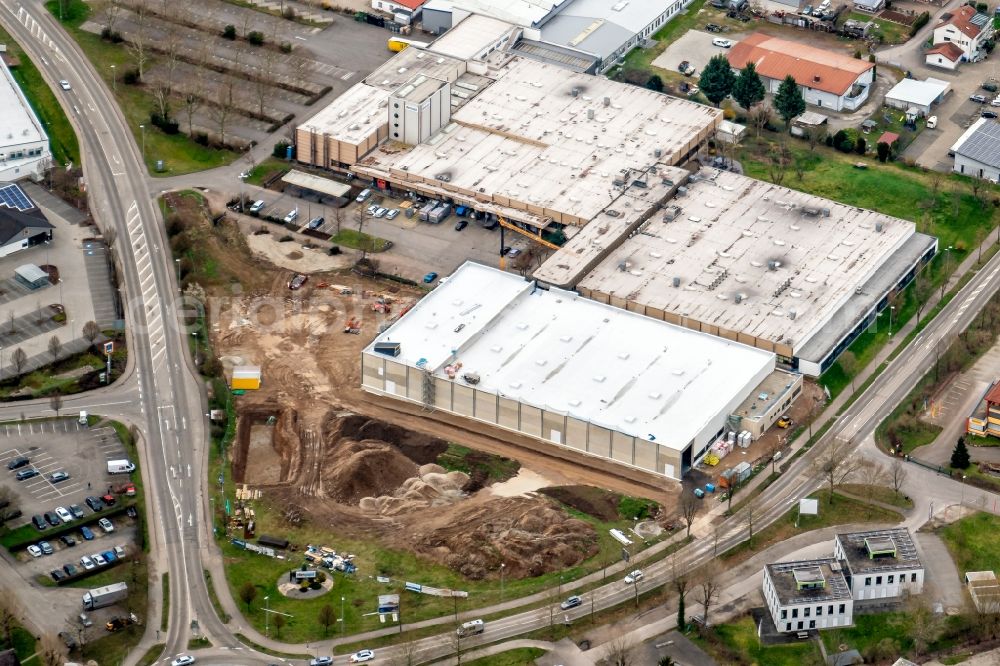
[(69, 569), (39, 522), (68, 540), (52, 518), (26, 474), (76, 511), (57, 575), (95, 503), (68, 639), (992, 87), (87, 534), (461, 225), (18, 463), (988, 114), (712, 27), (10, 514)]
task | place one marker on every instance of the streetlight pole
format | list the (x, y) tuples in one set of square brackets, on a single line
[(114, 79), (892, 308), (342, 622), (502, 566), (963, 491), (143, 128), (267, 616), (177, 262)]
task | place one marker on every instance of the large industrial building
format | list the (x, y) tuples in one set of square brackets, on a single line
[(747, 260), (24, 146), (508, 135), (568, 371)]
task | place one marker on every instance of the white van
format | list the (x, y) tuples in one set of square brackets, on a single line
[(83, 419), (365, 193), (257, 206), (471, 628)]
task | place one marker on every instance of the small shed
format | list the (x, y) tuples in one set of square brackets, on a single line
[(921, 95), (245, 378), (316, 188), (888, 137), (31, 276), (730, 132)]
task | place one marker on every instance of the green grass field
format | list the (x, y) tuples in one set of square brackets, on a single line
[(518, 657), (974, 542), (62, 138), (179, 153), (738, 640), (358, 240)]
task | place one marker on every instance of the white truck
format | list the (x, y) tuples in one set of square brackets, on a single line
[(104, 596), (120, 467)]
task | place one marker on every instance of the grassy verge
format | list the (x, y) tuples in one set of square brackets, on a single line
[(152, 655), (843, 510), (214, 598), (517, 657), (179, 153), (274, 653), (21, 641), (266, 170), (359, 240), (878, 494), (974, 542), (165, 609), (62, 139), (737, 642), (59, 378), (199, 643)]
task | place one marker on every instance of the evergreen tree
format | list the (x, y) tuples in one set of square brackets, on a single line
[(960, 456), (717, 79), (788, 101), (655, 83), (748, 89)]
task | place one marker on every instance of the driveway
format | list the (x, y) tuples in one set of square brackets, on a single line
[(694, 46), (943, 582)]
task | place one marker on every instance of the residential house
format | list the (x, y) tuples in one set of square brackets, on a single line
[(977, 152), (22, 225), (827, 79), (945, 55), (965, 28)]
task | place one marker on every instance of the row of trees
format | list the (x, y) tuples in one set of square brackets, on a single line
[(718, 81)]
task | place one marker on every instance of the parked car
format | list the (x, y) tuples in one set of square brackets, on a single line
[(67, 540), (932, 122), (52, 519), (807, 10), (571, 602), (321, 661), (119, 552), (391, 215), (430, 277), (109, 556), (58, 575), (17, 463), (988, 114), (633, 577), (990, 86), (686, 68), (291, 216), (981, 99), (34, 551), (86, 533), (297, 281), (63, 514), (46, 547), (713, 27), (371, 209), (83, 619), (76, 511), (182, 660), (27, 474), (380, 212), (257, 206), (98, 559), (94, 503), (109, 500), (87, 563), (995, 102), (722, 43), (106, 525), (68, 640), (39, 522), (364, 195), (316, 222), (461, 224), (71, 571), (56, 477), (362, 655)]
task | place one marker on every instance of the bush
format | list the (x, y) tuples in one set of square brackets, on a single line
[(842, 142), (167, 125), (289, 13), (860, 146), (922, 20), (634, 507), (229, 32), (285, 47), (280, 149), (200, 138), (256, 38), (175, 224), (131, 77)]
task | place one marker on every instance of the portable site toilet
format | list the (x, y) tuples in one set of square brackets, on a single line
[(245, 378)]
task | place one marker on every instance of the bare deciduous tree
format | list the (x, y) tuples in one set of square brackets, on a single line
[(172, 46), (223, 108), (55, 346), (834, 464), (759, 118), (849, 364), (18, 360), (139, 40), (90, 331), (262, 85), (326, 617), (56, 402), (708, 591), (689, 508), (748, 516), (872, 476), (8, 616), (161, 97), (681, 583), (52, 651), (897, 475), (621, 651)]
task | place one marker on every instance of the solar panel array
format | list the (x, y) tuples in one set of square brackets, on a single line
[(12, 196), (983, 145)]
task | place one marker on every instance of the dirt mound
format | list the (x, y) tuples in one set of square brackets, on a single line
[(529, 536), (362, 469), (419, 448), (586, 499), (433, 486)]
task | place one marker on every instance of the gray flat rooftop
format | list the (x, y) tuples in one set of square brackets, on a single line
[(857, 546), (601, 26), (475, 33), (419, 88), (773, 389), (529, 142), (747, 256), (789, 577), (17, 120)]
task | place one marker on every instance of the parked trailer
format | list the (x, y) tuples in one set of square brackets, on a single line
[(425, 212), (104, 596)]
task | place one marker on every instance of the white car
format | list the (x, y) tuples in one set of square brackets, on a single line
[(98, 559), (64, 84), (995, 102), (392, 214), (34, 551), (292, 214), (63, 514), (361, 656), (106, 525), (182, 660), (932, 122), (633, 577), (380, 212), (87, 563), (723, 43)]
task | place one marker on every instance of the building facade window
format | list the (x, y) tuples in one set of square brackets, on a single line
[(913, 577), (868, 581), (819, 611), (892, 579), (812, 624), (842, 608), (878, 580), (784, 614)]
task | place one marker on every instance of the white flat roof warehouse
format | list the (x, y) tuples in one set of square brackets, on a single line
[(563, 353), (747, 257)]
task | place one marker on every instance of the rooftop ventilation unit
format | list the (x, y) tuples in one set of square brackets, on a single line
[(575, 92), (825, 211), (792, 314), (738, 298), (681, 191), (810, 210), (607, 101), (677, 282), (590, 114), (657, 153), (672, 213), (878, 227), (773, 265)]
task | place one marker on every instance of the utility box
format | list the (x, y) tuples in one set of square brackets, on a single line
[(245, 378)]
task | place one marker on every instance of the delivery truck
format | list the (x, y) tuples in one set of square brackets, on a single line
[(104, 596), (120, 467)]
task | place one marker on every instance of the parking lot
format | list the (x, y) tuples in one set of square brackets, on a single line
[(696, 47)]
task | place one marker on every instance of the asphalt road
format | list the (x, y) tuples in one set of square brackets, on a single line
[(161, 395)]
